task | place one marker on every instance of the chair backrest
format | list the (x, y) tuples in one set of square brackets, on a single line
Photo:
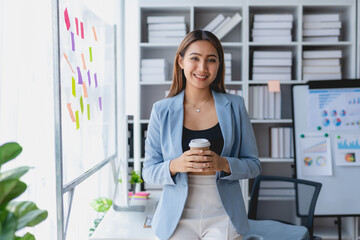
[(284, 199)]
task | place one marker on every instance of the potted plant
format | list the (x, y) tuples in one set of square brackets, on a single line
[(15, 216), (134, 179), (100, 205)]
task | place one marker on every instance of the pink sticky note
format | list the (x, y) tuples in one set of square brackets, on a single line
[(67, 60), (83, 60), (67, 21), (95, 36), (71, 112), (85, 90), (82, 29), (274, 86), (77, 26)]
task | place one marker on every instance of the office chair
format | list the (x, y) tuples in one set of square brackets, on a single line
[(299, 211)]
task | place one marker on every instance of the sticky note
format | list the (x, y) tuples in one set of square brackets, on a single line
[(66, 57), (90, 52), (100, 104), (81, 105), (77, 120), (88, 111), (96, 83), (82, 29), (88, 73), (79, 76), (85, 90), (274, 86), (95, 36), (72, 42), (83, 60), (67, 21), (77, 26), (73, 87), (71, 112)]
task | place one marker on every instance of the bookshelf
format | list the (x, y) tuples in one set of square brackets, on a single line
[(240, 44)]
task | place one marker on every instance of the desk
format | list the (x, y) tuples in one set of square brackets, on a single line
[(128, 225)]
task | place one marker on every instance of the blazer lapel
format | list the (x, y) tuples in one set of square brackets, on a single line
[(176, 117), (223, 111)]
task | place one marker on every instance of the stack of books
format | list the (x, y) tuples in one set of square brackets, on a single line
[(234, 91), (281, 142), (221, 25), (321, 28), (166, 29), (139, 195), (227, 59), (276, 188), (272, 28), (264, 104), (154, 70), (322, 65), (272, 65)]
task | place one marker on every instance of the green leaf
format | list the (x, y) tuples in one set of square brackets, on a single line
[(3, 215), (32, 218), (9, 151), (15, 173), (21, 208), (10, 189), (8, 228), (27, 236), (101, 204)]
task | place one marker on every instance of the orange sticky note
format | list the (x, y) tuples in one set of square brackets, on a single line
[(83, 60), (274, 86), (95, 36), (85, 90), (66, 57), (71, 112)]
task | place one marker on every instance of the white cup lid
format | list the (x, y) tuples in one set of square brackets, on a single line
[(199, 142)]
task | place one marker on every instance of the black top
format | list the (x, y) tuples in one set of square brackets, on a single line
[(213, 134)]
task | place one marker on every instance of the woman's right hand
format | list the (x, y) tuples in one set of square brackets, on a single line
[(189, 161)]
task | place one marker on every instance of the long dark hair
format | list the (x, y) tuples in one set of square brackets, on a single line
[(179, 80)]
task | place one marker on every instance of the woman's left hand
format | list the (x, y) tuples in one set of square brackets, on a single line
[(214, 163)]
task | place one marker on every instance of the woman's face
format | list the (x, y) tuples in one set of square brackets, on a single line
[(200, 64)]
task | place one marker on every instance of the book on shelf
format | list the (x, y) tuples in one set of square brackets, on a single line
[(259, 109), (154, 77), (165, 19), (227, 62), (221, 24), (166, 26), (175, 40), (280, 142), (225, 29), (321, 25), (271, 100), (227, 78), (322, 69), (321, 76), (214, 23), (271, 32), (274, 142), (271, 76), (272, 39), (287, 142), (273, 17), (271, 70), (167, 33), (272, 25), (321, 39), (266, 103), (154, 70), (335, 17), (155, 62), (321, 32), (272, 62), (272, 54), (232, 91), (322, 54), (227, 56), (277, 105), (321, 62)]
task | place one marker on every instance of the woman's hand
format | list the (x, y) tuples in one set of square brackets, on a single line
[(199, 161)]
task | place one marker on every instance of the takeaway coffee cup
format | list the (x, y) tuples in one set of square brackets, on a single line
[(200, 144)]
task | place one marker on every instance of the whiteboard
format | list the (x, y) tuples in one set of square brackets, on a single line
[(323, 113), (87, 79)]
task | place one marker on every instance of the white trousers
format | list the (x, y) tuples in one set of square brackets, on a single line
[(204, 217)]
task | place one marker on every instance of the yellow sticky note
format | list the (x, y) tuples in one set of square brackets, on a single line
[(88, 111), (82, 105), (77, 120), (73, 87), (274, 86)]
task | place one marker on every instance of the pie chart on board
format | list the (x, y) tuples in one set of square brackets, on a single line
[(337, 122)]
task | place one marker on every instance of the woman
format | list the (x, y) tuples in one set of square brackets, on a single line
[(201, 198)]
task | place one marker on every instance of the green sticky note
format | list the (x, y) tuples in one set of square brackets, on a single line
[(81, 105), (73, 87), (77, 120), (88, 111), (90, 51)]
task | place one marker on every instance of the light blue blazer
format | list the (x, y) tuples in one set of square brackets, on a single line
[(164, 143)]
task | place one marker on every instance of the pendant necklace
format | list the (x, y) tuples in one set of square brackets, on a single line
[(198, 109)]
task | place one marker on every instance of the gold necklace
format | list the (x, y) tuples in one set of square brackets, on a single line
[(198, 109)]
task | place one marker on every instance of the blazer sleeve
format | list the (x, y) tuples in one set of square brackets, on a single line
[(247, 165), (155, 170)]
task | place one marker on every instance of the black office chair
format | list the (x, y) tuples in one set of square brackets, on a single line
[(297, 212)]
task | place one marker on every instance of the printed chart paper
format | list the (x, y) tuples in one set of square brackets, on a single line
[(334, 109), (315, 155), (346, 148)]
